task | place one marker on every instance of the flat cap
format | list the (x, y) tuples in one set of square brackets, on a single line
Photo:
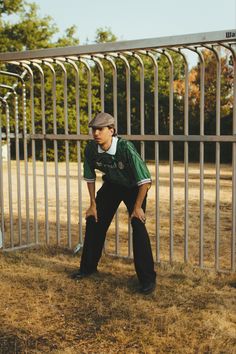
[(102, 120)]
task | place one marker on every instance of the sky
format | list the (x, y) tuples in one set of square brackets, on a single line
[(138, 19)]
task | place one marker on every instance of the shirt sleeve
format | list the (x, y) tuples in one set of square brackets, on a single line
[(89, 172), (138, 166)]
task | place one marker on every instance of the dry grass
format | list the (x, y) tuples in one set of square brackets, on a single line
[(192, 311), (43, 311)]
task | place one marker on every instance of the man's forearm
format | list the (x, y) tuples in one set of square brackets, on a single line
[(141, 195), (91, 189)]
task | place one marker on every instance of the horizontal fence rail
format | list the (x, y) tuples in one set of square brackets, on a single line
[(174, 97)]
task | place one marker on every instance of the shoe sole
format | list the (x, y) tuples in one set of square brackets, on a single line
[(149, 291)]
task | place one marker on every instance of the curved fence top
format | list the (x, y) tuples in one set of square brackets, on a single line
[(226, 36)]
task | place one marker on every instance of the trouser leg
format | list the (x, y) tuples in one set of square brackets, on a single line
[(107, 202), (143, 258), (88, 263)]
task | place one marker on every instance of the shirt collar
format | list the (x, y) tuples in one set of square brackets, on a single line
[(112, 148)]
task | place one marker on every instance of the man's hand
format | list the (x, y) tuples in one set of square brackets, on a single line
[(92, 211), (138, 211), (139, 214)]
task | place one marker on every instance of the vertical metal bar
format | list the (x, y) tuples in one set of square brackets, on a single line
[(2, 228), (171, 154), (44, 153), (77, 100), (157, 174), (128, 112), (217, 162), (9, 175), (171, 149), (233, 236), (44, 145), (186, 161), (101, 73), (55, 150), (18, 168), (186, 158), (233, 239), (202, 92), (26, 163), (217, 231), (142, 128), (33, 152), (89, 74), (67, 153), (114, 86), (128, 119), (89, 95), (128, 91)]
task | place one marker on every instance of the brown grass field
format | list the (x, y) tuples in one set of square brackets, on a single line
[(192, 310)]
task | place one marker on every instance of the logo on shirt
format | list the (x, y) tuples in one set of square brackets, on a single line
[(121, 165)]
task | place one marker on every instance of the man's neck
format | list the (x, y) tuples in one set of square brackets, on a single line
[(106, 146)]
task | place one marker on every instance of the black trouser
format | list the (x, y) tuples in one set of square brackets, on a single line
[(108, 199)]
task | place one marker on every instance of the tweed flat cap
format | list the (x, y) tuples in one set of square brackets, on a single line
[(102, 120)]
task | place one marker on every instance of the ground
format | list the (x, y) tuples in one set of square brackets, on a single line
[(44, 311)]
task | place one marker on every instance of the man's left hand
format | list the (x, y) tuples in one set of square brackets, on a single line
[(139, 214)]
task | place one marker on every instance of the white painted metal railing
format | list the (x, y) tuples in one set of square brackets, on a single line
[(42, 66)]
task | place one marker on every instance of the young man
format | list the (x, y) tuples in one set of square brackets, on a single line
[(126, 178)]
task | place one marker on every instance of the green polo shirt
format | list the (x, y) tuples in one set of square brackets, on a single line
[(121, 164)]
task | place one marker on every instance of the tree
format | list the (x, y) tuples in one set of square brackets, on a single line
[(104, 35), (10, 6), (29, 30)]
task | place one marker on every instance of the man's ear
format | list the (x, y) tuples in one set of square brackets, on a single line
[(112, 131)]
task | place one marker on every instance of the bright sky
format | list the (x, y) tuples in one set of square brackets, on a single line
[(138, 19)]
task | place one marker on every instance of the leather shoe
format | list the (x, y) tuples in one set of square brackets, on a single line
[(79, 274), (148, 288)]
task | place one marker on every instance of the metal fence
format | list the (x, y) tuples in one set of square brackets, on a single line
[(42, 198)]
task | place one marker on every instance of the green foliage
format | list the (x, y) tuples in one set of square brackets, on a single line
[(9, 7), (69, 39), (28, 31), (104, 35)]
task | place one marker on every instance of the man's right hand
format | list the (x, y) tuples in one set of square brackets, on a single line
[(92, 211)]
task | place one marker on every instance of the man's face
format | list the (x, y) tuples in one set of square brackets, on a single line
[(102, 135)]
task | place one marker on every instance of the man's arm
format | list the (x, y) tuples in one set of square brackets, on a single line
[(92, 210), (138, 211)]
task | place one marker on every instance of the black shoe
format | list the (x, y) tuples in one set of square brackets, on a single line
[(148, 288), (79, 274)]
